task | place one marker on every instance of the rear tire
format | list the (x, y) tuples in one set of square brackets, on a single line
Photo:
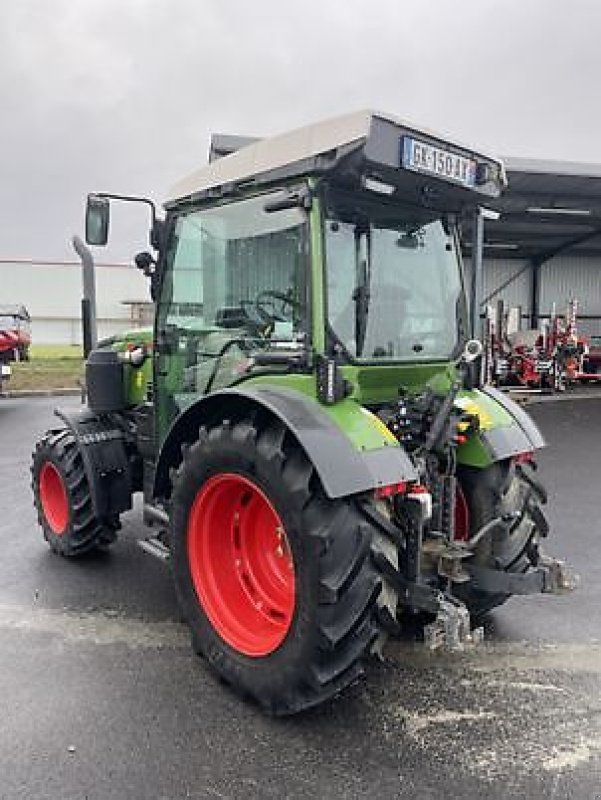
[(322, 623), (62, 498), (500, 490)]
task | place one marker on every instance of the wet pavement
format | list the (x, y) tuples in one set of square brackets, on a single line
[(101, 696)]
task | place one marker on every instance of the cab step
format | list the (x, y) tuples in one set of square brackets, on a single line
[(155, 546)]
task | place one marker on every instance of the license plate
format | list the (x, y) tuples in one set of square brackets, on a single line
[(5, 370), (423, 157)]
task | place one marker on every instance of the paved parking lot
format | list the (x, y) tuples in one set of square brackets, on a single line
[(102, 698)]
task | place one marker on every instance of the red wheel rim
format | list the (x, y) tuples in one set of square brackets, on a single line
[(462, 517), (241, 564), (53, 498)]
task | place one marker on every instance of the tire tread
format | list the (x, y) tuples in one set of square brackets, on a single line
[(337, 534)]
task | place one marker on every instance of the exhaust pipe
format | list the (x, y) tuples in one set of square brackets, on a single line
[(88, 302)]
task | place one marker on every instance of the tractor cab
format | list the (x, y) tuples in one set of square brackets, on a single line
[(335, 242)]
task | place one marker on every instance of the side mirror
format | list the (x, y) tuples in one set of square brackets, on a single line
[(97, 220)]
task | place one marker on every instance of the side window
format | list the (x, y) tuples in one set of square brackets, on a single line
[(235, 281), (186, 287), (341, 280)]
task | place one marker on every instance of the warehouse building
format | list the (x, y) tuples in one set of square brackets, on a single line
[(543, 250), (545, 247)]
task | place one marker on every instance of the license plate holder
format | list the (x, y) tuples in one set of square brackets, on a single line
[(423, 157)]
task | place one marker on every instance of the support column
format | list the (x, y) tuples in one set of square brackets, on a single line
[(477, 268), (535, 293)]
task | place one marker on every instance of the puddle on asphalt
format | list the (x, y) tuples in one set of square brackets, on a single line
[(502, 711), (101, 627)]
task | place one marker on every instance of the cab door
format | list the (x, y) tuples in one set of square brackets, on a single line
[(235, 279)]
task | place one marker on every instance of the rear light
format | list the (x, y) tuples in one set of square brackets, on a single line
[(415, 492), (523, 458), (390, 490)]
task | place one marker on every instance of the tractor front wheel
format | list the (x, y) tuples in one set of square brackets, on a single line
[(62, 498), (274, 579), (506, 492)]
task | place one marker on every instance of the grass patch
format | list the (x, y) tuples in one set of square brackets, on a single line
[(49, 367), (45, 352)]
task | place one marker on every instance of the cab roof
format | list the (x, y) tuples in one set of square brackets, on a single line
[(375, 138)]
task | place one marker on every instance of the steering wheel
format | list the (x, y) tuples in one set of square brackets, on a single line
[(273, 306)]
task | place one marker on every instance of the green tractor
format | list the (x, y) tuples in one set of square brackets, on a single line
[(306, 423)]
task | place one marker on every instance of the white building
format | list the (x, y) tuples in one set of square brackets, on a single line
[(52, 291)]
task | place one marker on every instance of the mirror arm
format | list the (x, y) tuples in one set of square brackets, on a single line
[(157, 224)]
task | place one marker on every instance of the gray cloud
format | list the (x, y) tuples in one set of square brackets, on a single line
[(122, 95)]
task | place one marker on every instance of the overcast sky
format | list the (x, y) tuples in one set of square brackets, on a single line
[(122, 95)]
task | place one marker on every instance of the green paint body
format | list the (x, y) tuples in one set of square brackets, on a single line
[(371, 385), (365, 429), (136, 380)]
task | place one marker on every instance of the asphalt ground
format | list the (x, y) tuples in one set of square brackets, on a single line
[(101, 696)]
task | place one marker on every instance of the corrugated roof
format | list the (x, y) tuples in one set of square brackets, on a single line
[(536, 166), (549, 208)]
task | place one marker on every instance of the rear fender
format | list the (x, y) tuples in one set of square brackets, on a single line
[(342, 468)]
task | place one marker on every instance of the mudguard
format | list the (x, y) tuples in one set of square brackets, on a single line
[(525, 421), (102, 447), (342, 468), (506, 430)]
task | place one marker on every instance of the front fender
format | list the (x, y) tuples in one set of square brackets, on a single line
[(342, 467), (105, 460), (506, 430)]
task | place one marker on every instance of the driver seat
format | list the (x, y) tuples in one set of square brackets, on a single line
[(387, 310), (231, 317)]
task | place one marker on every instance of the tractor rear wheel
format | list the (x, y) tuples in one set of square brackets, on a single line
[(274, 579), (62, 498), (502, 490)]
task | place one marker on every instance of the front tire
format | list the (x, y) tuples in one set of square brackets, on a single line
[(62, 498), (274, 579), (502, 490)]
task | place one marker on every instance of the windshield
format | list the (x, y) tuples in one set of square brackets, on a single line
[(393, 282)]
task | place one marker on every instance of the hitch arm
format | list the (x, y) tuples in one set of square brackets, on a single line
[(549, 577)]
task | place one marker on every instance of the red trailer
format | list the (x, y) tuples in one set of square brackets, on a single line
[(15, 337), (591, 360)]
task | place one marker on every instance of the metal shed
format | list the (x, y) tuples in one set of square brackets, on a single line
[(545, 247)]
